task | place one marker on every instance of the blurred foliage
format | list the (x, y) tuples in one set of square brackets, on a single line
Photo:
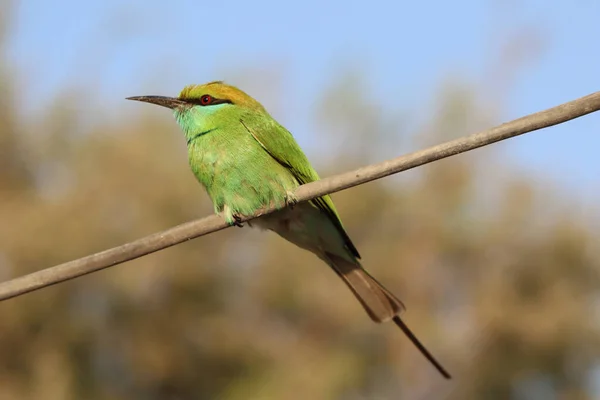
[(502, 294)]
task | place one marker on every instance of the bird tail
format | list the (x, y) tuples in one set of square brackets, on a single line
[(379, 303)]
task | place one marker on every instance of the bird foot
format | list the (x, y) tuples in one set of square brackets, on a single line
[(290, 200), (237, 221), (231, 217)]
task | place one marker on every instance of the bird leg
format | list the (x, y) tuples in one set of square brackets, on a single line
[(231, 217), (290, 200), (237, 220)]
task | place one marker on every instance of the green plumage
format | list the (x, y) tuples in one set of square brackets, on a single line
[(247, 161)]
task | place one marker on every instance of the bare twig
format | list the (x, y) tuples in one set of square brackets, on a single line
[(193, 229)]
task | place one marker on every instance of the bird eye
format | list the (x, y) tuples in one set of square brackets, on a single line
[(206, 100)]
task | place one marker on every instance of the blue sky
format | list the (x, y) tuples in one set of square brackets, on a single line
[(406, 49)]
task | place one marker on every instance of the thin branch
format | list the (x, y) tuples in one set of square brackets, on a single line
[(204, 226)]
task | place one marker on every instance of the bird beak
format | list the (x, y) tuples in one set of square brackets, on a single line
[(169, 102)]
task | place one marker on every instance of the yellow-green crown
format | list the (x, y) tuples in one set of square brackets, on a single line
[(220, 90)]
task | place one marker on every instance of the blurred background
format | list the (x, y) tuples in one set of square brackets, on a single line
[(495, 253)]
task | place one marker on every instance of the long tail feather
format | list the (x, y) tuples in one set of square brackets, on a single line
[(378, 302), (411, 336)]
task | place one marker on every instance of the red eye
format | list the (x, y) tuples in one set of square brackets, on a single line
[(206, 100)]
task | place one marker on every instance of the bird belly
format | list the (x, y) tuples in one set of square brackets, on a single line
[(242, 183), (307, 227), (242, 179)]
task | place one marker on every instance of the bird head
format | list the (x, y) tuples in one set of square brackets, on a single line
[(206, 106), (210, 96)]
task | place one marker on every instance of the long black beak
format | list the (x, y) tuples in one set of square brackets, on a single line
[(169, 102)]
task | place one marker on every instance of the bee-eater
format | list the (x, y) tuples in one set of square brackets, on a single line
[(247, 161)]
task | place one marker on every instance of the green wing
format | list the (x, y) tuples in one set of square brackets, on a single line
[(281, 145)]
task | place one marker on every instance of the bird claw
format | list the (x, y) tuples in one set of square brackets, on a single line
[(290, 200), (237, 221)]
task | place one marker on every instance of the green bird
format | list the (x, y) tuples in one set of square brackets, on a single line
[(247, 162)]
